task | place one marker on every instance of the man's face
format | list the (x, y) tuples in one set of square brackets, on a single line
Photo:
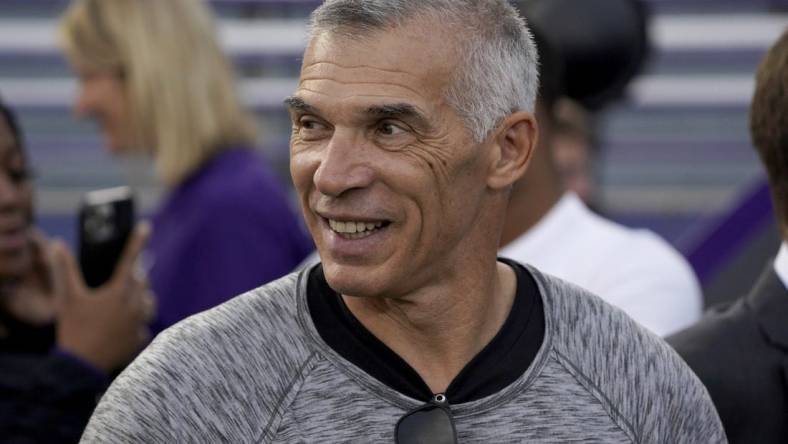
[(390, 180)]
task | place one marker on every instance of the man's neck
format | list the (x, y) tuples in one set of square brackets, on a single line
[(438, 330)]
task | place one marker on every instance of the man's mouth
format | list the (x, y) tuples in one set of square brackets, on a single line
[(356, 229)]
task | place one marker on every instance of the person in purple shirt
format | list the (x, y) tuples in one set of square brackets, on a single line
[(225, 230), (154, 78)]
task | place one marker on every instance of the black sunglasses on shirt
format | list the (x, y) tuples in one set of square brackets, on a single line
[(431, 423)]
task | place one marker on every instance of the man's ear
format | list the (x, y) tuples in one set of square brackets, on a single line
[(512, 149)]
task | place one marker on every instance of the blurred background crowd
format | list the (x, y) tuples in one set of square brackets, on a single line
[(673, 154), (649, 128)]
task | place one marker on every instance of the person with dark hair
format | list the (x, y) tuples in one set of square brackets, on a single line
[(740, 350), (411, 121), (551, 228), (59, 340)]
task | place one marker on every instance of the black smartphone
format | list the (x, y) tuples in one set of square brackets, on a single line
[(106, 218)]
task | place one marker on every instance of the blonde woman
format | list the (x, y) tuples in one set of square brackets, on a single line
[(153, 76)]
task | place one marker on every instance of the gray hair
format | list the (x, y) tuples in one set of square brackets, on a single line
[(497, 74)]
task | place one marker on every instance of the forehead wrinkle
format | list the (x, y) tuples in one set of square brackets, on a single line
[(316, 65), (346, 96), (395, 99), (351, 82)]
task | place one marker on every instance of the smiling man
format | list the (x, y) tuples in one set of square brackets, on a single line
[(411, 121)]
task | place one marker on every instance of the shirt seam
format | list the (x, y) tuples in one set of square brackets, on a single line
[(286, 399), (382, 391), (615, 415)]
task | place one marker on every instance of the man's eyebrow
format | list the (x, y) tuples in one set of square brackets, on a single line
[(294, 103), (404, 111)]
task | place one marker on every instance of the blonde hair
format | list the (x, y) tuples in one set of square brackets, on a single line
[(180, 87)]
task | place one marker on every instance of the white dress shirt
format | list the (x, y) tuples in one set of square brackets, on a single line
[(781, 264), (633, 269)]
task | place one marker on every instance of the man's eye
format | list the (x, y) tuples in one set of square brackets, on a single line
[(311, 124), (390, 129), (310, 129)]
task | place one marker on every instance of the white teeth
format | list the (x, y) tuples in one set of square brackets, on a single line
[(354, 230)]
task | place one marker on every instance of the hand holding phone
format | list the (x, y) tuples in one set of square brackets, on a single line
[(104, 326)]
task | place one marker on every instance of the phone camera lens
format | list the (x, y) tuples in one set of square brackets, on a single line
[(98, 223)]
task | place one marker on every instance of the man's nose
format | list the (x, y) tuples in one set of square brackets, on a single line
[(344, 165)]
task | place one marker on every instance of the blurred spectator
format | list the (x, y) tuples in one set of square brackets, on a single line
[(554, 230), (59, 340), (603, 45), (572, 149), (741, 351), (153, 76)]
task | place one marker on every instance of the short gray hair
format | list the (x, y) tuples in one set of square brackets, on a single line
[(498, 74)]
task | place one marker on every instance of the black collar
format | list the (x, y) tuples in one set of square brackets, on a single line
[(499, 364)]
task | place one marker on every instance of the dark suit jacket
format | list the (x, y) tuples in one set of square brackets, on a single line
[(740, 352)]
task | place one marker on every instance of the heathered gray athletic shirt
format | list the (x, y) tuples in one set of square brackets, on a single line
[(255, 370)]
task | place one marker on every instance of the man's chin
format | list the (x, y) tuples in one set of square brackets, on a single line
[(352, 280)]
